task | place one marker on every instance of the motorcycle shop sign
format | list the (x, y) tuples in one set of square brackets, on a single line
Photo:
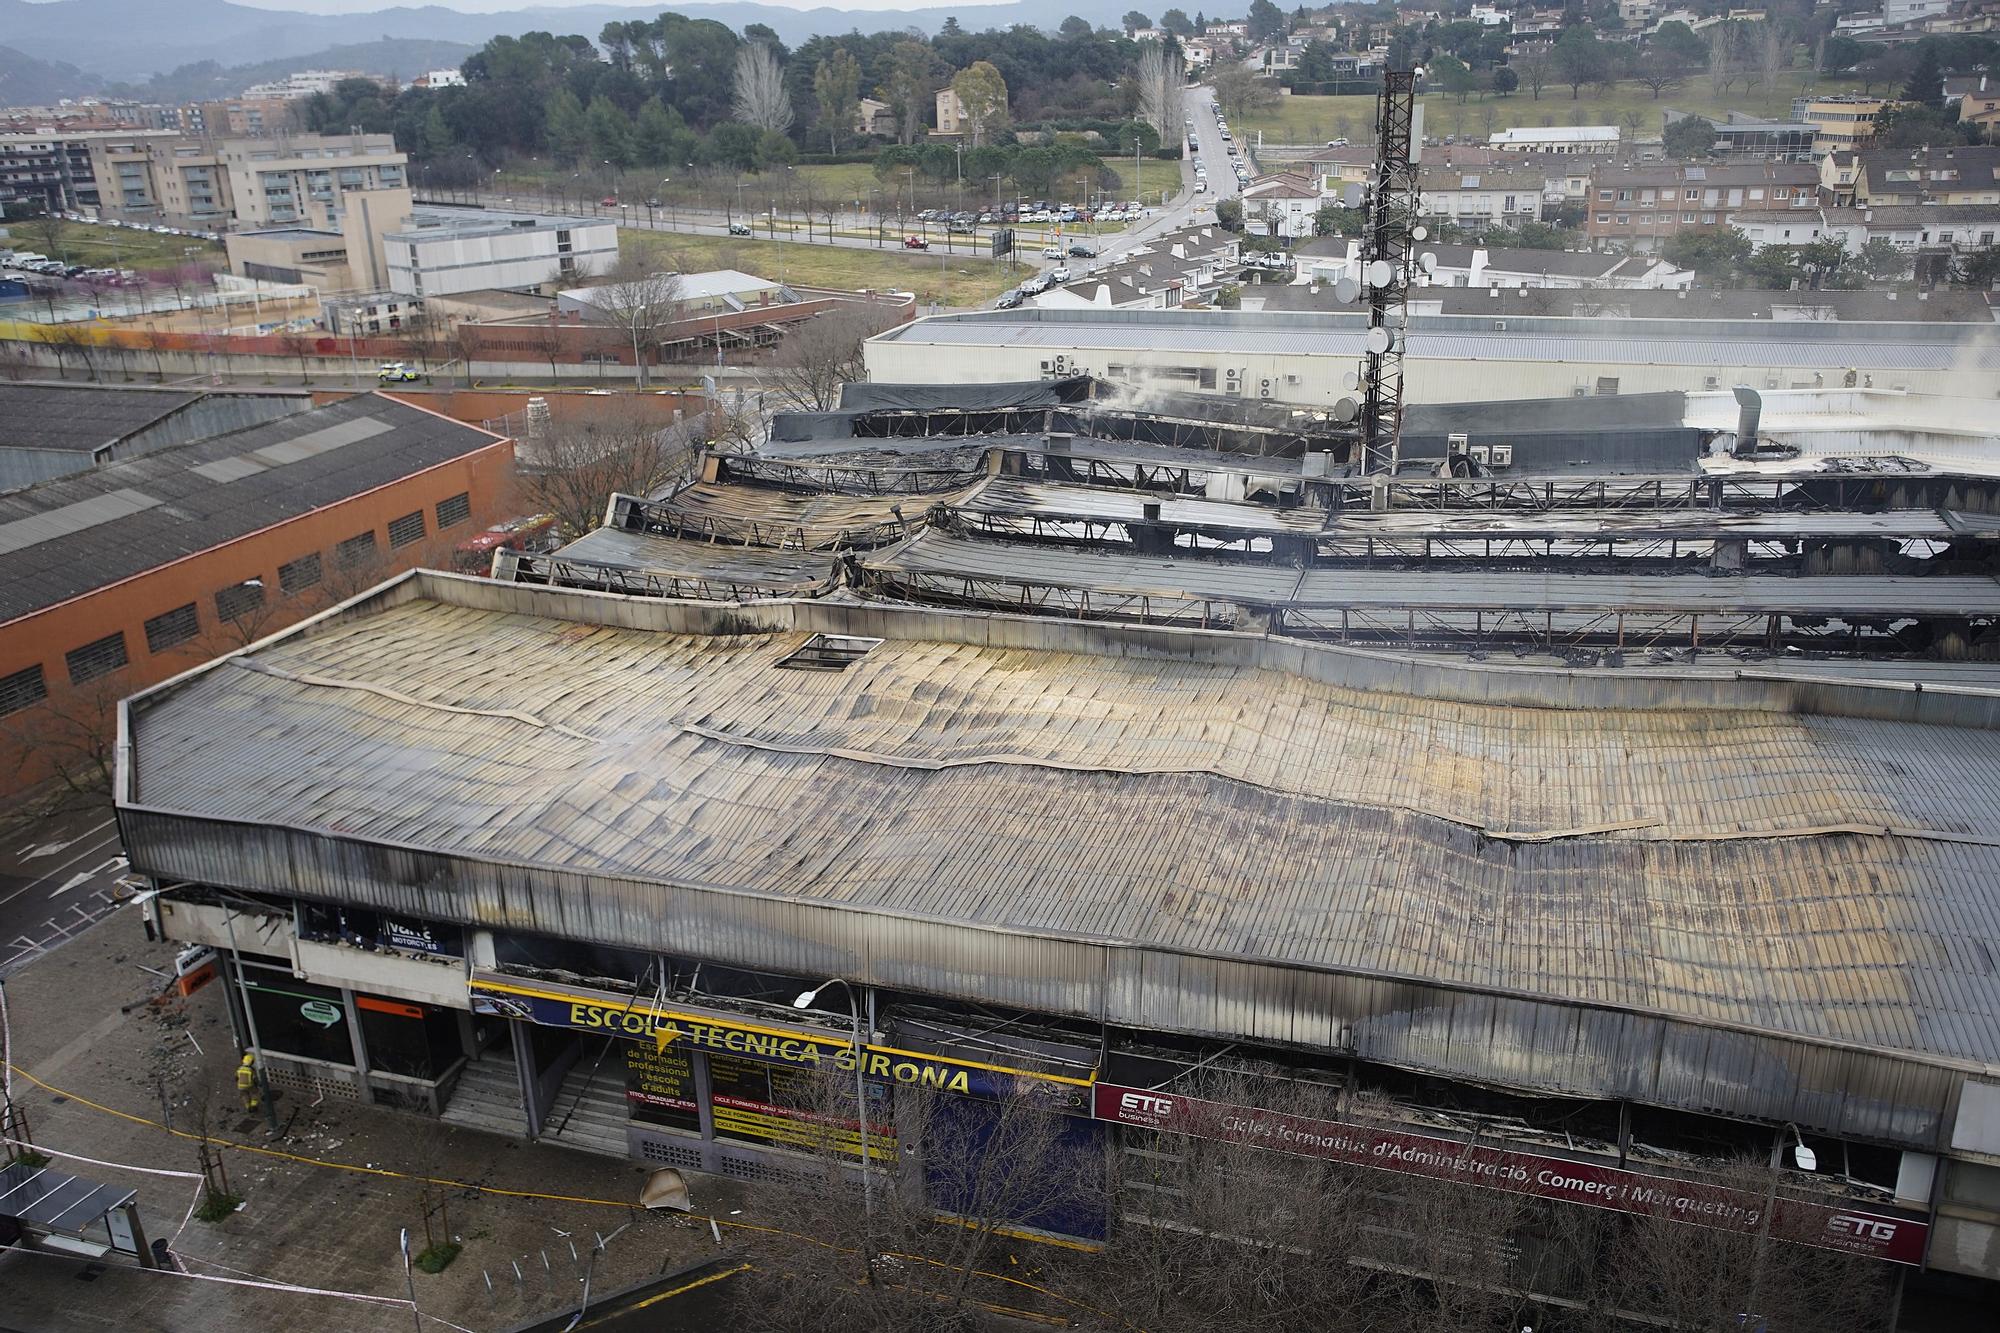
[(1875, 1235)]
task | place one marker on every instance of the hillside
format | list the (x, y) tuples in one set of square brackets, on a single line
[(401, 57), (133, 40), (26, 81)]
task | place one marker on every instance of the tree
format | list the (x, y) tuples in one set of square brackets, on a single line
[(1267, 21), (1774, 50), (1821, 260), (50, 231), (911, 81), (1579, 59), (759, 96), (837, 89), (1229, 214), (1239, 91), (1452, 75), (1678, 39), (953, 1175), (1909, 125), (610, 133), (1689, 139), (660, 137), (1726, 56), (982, 99), (1176, 22), (819, 356), (1074, 29), (567, 133), (638, 300), (1840, 53), (1713, 254), (1881, 261), (1505, 80), (1660, 69), (436, 141), (1534, 70), (1979, 270), (1926, 83), (1162, 77), (1136, 22), (573, 470)]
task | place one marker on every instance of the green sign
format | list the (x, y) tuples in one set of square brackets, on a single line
[(320, 1012)]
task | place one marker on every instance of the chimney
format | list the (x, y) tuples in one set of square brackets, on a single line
[(1749, 413)]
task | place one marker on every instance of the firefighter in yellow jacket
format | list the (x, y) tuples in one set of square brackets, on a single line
[(246, 1081)]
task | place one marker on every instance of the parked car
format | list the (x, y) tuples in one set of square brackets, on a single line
[(1336, 143), (1059, 274), (957, 228), (915, 243), (1052, 252), (609, 201), (1008, 300), (739, 229), (396, 372)]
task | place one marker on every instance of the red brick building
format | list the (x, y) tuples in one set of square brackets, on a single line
[(122, 575), (1639, 208)]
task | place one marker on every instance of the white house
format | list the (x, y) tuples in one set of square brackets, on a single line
[(1283, 204), (1477, 266), (1556, 139), (1906, 226), (442, 252), (1502, 196), (1165, 273)]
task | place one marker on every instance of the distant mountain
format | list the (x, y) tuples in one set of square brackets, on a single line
[(26, 81), (403, 57), (131, 40)]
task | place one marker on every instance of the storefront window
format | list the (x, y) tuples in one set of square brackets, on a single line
[(415, 1040), (298, 1017), (660, 1087), (794, 1108)]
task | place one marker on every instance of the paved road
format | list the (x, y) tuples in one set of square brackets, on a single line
[(55, 879)]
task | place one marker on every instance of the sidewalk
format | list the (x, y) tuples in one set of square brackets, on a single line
[(323, 1204)]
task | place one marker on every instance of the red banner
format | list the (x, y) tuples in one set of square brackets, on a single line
[(1876, 1235)]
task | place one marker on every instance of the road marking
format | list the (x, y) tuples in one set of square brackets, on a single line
[(79, 878), (95, 848)]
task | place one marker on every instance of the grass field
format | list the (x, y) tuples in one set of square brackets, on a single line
[(112, 247), (1314, 120), (951, 279)]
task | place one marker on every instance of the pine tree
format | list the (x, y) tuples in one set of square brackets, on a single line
[(661, 137), (437, 136), (1926, 85), (610, 132), (564, 128)]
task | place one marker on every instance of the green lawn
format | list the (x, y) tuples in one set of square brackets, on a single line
[(960, 279), (110, 247), (1314, 120)]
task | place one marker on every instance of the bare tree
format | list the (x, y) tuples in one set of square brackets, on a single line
[(50, 230), (820, 355), (954, 1176), (574, 469), (1774, 50), (1162, 77), (638, 300), (74, 340), (302, 347), (1535, 70), (67, 745), (760, 97)]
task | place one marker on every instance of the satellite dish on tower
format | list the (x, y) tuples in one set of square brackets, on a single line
[(1380, 340), (1379, 273), (1419, 234), (1350, 380), (1346, 409), (1346, 290), (1428, 260), (1352, 194)]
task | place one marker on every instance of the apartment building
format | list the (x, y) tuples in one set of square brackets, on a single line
[(248, 182), (56, 169), (1483, 197), (1960, 228), (1964, 174), (1637, 209), (1557, 139), (1839, 123)]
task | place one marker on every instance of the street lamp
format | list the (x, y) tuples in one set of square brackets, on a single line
[(805, 1001)]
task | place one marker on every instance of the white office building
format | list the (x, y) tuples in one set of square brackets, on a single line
[(441, 252), (1556, 139)]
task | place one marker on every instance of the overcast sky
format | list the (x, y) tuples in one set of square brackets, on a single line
[(641, 8)]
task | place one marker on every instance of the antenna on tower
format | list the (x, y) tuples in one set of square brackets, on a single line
[(1389, 232)]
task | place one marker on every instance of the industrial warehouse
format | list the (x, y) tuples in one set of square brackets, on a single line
[(1602, 806), (1561, 785)]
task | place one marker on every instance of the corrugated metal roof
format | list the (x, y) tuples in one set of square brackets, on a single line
[(1005, 495), (1823, 877), (1167, 336), (80, 417), (749, 566), (127, 517), (938, 554)]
